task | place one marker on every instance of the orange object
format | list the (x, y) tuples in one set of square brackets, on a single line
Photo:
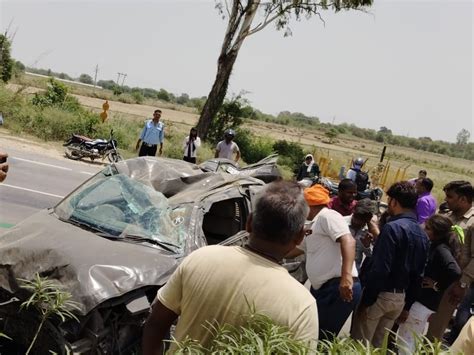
[(103, 116), (316, 195)]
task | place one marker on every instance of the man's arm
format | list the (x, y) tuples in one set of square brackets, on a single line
[(218, 149), (316, 170), (162, 138), (156, 328), (237, 156), (467, 265), (3, 166), (422, 210), (348, 255), (294, 253), (142, 135), (381, 261)]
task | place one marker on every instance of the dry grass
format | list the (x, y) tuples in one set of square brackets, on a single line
[(441, 168)]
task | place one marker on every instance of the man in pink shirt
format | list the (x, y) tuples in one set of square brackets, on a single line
[(426, 204), (344, 202)]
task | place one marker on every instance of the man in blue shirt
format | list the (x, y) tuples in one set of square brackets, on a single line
[(153, 134), (391, 277)]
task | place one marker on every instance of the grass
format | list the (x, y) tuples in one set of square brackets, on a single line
[(259, 334)]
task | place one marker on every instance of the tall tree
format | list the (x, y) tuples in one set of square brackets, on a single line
[(241, 23), (463, 137), (6, 61)]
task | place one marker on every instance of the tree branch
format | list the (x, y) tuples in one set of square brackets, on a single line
[(249, 11), (227, 8)]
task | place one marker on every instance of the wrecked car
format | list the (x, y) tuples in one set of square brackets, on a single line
[(265, 169), (112, 243)]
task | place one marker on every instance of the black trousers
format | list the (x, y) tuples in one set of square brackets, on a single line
[(190, 160), (146, 150)]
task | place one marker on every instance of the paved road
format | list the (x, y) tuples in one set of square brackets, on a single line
[(35, 182)]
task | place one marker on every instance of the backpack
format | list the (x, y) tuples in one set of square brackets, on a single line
[(362, 180)]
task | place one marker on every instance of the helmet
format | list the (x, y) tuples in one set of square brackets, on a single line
[(359, 162), (229, 132)]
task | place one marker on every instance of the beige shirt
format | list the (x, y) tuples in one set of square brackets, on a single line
[(218, 282), (464, 343), (227, 150), (466, 222)]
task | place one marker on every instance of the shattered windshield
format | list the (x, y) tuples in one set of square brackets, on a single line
[(115, 206)]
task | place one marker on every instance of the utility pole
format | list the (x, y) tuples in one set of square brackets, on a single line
[(123, 79), (118, 77), (95, 76)]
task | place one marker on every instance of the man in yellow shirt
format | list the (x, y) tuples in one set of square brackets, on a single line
[(217, 283)]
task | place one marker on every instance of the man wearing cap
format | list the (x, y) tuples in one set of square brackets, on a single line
[(227, 147), (330, 252)]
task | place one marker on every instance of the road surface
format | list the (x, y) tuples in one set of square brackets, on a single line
[(36, 181)]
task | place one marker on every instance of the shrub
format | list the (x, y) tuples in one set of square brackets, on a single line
[(291, 154), (138, 97), (253, 148), (55, 95), (229, 116)]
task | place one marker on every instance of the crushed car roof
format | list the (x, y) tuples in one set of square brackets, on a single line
[(93, 268)]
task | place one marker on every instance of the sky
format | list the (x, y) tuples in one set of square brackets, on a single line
[(406, 65)]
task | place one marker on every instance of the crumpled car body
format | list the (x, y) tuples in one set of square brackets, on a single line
[(112, 243), (265, 169)]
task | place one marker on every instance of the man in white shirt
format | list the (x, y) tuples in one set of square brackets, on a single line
[(221, 283), (330, 252), (227, 147)]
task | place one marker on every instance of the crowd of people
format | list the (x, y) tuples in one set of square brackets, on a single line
[(403, 271)]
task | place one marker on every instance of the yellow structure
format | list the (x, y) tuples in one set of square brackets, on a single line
[(104, 115)]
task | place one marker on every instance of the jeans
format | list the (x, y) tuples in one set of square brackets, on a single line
[(462, 315), (332, 310)]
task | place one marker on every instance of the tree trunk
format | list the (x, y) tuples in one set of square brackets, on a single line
[(217, 94)]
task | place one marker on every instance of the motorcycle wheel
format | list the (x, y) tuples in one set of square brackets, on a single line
[(71, 153), (114, 157)]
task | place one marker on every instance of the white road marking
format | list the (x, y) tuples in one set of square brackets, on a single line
[(51, 165), (30, 190), (44, 164)]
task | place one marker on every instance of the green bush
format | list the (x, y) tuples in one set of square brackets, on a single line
[(253, 148), (229, 116), (290, 153), (55, 95), (138, 97)]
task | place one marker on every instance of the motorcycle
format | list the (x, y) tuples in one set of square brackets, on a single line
[(78, 147)]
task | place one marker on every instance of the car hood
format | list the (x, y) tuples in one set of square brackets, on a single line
[(92, 268)]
